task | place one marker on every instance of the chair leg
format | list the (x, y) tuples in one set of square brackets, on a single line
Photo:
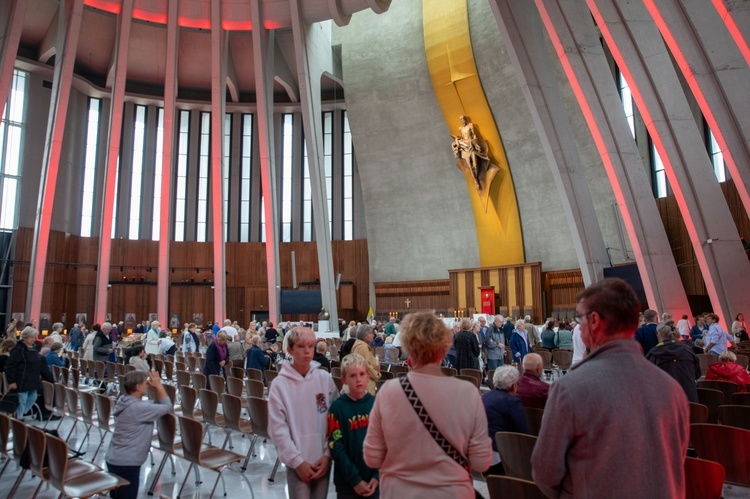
[(101, 441), (158, 474), (70, 434), (273, 473), (179, 493), (227, 439), (216, 483), (85, 437), (16, 483), (171, 460), (249, 453), (36, 492)]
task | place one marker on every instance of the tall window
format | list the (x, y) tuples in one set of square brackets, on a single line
[(717, 157), (155, 228), (307, 226), (89, 168), (116, 198), (12, 129), (287, 124), (182, 171), (627, 101), (328, 163), (660, 177), (203, 167), (225, 171), (348, 183), (139, 142), (246, 169), (262, 218)]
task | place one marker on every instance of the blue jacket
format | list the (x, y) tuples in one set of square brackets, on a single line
[(518, 346), (256, 359), (646, 336), (76, 338), (505, 412), (54, 360)]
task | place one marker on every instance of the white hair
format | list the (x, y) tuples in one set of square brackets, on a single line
[(520, 322), (505, 377)]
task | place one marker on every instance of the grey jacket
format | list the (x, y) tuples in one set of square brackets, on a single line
[(134, 427), (494, 337), (615, 426)]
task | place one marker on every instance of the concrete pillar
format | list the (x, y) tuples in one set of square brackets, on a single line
[(69, 19), (736, 17), (306, 42), (644, 60), (263, 55), (14, 12), (168, 146), (577, 44), (523, 35), (218, 105), (122, 41)]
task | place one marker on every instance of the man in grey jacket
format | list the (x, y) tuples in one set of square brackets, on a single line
[(616, 425), (494, 344), (134, 427)]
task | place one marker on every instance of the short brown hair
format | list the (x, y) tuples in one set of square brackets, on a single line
[(425, 337), (614, 300), (132, 380)]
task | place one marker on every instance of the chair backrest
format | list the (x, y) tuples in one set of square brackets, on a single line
[(254, 388), (270, 376), (706, 359), (398, 370), (180, 365), (743, 360), (188, 397), (4, 433), (111, 369), (75, 374), (258, 409), (37, 448), (232, 406), (217, 383), (501, 487), (199, 380), (563, 358), (237, 372), (470, 379), (87, 407), (201, 363), (20, 438), (104, 407), (171, 392), (449, 371), (391, 355), (735, 415), (159, 365), (166, 428), (385, 375), (534, 419), (740, 398), (546, 358), (71, 397), (99, 366), (235, 386), (724, 387), (336, 371), (169, 370), (192, 363), (703, 479), (57, 458), (209, 404), (48, 389), (60, 397), (698, 413), (515, 453), (183, 378), (725, 445), (340, 384), (252, 373), (191, 432), (476, 373), (711, 399)]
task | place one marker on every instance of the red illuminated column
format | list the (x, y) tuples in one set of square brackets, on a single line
[(738, 23)]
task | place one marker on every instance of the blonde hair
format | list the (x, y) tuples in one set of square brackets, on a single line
[(728, 356), (425, 337), (295, 336), (352, 360)]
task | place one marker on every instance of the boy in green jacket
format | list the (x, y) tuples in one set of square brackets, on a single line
[(348, 419)]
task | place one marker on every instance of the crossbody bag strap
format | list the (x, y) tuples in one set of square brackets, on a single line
[(430, 426)]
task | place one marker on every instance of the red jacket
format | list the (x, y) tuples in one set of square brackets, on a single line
[(532, 391), (729, 371)]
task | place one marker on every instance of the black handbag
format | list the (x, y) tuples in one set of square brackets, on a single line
[(9, 403)]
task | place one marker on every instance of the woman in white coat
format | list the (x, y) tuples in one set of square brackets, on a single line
[(152, 339)]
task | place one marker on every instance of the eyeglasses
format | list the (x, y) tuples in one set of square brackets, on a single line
[(578, 316)]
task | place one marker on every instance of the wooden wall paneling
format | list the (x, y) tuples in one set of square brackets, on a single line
[(469, 292)]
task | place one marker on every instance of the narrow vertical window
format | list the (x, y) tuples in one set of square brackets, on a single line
[(12, 127), (155, 228), (286, 177), (328, 163), (262, 218), (139, 143), (627, 101), (307, 226), (116, 198), (203, 167), (89, 168), (225, 171), (246, 167), (182, 171), (348, 183), (717, 157), (660, 177)]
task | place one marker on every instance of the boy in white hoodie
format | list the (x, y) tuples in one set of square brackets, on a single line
[(298, 411)]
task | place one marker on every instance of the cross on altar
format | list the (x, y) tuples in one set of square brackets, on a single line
[(408, 302)]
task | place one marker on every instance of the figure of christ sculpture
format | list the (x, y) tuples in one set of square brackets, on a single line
[(471, 149)]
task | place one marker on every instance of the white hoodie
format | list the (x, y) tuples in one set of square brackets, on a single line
[(298, 414)]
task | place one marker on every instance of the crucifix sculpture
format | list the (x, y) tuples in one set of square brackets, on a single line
[(408, 302)]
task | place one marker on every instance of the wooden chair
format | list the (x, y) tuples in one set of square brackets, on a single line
[(711, 399), (476, 373), (169, 372), (104, 407), (703, 479), (198, 380), (735, 415), (515, 452), (4, 439), (336, 371), (725, 387), (698, 413), (217, 383), (399, 370), (534, 419), (727, 446), (235, 386), (270, 376), (183, 378), (254, 388), (546, 357), (201, 364), (192, 363), (502, 487), (340, 384), (471, 379), (166, 430), (209, 400), (211, 458), (740, 398), (490, 375), (706, 359), (385, 375), (237, 372), (20, 440), (232, 406), (252, 373), (563, 358), (258, 409), (449, 371), (70, 485), (743, 360)]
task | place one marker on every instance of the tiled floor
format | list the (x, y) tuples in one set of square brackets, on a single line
[(258, 471)]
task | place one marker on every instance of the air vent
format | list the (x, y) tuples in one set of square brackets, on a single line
[(47, 84)]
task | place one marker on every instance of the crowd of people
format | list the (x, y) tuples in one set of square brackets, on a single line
[(622, 405)]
